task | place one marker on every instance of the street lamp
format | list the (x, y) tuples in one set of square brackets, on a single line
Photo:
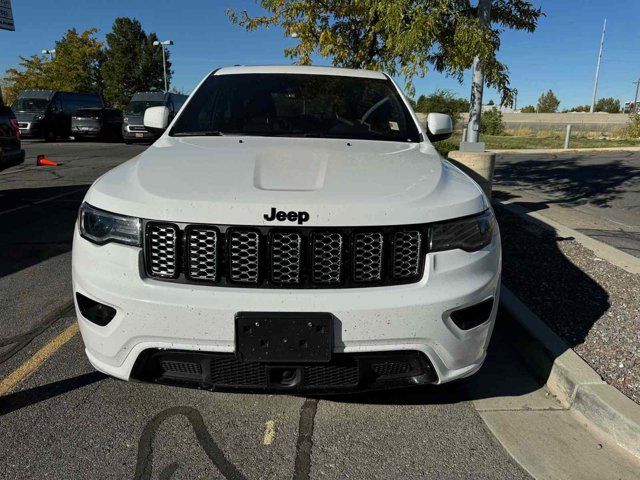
[(164, 44), (51, 53)]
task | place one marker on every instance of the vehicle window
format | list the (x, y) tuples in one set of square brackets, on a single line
[(138, 107), (298, 105), (84, 112), (30, 105), (72, 102)]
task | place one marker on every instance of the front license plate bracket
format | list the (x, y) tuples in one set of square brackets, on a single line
[(284, 337)]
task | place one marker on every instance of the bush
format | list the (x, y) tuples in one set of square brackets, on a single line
[(443, 101), (528, 109), (548, 103), (491, 122), (609, 105), (633, 127)]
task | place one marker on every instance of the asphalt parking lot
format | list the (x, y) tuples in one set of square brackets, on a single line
[(59, 418)]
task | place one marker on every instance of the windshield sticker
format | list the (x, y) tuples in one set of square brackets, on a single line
[(394, 126)]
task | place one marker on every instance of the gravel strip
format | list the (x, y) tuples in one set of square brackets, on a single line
[(593, 305)]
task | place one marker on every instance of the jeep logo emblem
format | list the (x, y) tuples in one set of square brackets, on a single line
[(282, 216)]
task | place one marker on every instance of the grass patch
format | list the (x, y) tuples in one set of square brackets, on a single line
[(498, 142)]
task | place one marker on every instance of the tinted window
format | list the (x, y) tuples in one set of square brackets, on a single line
[(84, 112), (138, 107), (298, 105), (72, 102), (30, 105)]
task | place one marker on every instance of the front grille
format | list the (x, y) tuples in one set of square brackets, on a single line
[(331, 375), (23, 125), (137, 128), (285, 258)]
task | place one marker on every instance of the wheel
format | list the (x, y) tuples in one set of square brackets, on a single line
[(50, 136)]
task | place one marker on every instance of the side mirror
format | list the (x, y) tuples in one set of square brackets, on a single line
[(439, 126), (156, 119)]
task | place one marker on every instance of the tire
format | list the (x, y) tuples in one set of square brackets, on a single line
[(50, 136)]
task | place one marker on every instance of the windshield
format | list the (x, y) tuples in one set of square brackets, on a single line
[(30, 105), (138, 107), (89, 112), (298, 105)]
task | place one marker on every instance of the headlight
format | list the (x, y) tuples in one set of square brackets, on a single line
[(469, 234), (102, 227), (37, 118)]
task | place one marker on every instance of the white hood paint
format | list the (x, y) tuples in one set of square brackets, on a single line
[(236, 180)]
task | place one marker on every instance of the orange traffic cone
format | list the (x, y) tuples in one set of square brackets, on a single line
[(43, 161)]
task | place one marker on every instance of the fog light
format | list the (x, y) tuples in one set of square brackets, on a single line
[(95, 312), (470, 317)]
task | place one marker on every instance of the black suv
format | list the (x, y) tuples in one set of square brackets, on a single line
[(11, 152)]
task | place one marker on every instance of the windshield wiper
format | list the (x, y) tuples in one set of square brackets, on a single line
[(202, 133)]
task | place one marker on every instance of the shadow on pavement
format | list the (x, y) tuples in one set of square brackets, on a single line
[(570, 178), (31, 396), (37, 224)]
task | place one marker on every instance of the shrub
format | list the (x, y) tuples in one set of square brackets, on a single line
[(443, 101), (528, 109), (548, 103), (491, 122), (633, 127), (609, 105)]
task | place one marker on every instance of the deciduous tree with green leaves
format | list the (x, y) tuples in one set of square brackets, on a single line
[(443, 101), (31, 72), (133, 63), (609, 105), (548, 102), (405, 38)]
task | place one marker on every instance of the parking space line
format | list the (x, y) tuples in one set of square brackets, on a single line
[(44, 200), (29, 367), (269, 432)]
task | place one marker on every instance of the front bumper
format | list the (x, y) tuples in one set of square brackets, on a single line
[(153, 315), (30, 129), (137, 135)]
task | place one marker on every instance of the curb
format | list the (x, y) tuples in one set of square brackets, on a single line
[(576, 385), (611, 254)]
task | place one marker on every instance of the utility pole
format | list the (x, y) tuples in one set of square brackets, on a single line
[(473, 128), (595, 83), (635, 99), (164, 44)]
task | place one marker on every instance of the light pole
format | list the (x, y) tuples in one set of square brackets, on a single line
[(595, 82), (164, 44), (51, 53), (473, 128)]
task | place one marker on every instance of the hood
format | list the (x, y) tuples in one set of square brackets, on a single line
[(27, 116), (239, 180)]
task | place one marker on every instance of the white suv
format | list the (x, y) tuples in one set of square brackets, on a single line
[(293, 228)]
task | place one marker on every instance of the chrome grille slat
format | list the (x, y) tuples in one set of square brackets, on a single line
[(327, 258), (406, 254), (163, 246), (285, 258), (202, 253), (367, 260), (244, 249)]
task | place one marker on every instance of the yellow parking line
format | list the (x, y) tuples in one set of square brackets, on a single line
[(269, 432), (25, 370)]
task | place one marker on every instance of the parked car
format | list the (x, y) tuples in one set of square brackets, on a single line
[(97, 123), (133, 129), (293, 229), (47, 113), (11, 152)]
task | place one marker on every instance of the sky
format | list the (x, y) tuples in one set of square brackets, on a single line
[(561, 55)]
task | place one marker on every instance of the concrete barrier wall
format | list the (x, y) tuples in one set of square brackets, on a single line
[(594, 122)]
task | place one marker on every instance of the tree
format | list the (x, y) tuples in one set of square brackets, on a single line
[(581, 108), (491, 122), (76, 66), (548, 103), (609, 105), (31, 73), (133, 63), (528, 109), (402, 37), (443, 101)]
